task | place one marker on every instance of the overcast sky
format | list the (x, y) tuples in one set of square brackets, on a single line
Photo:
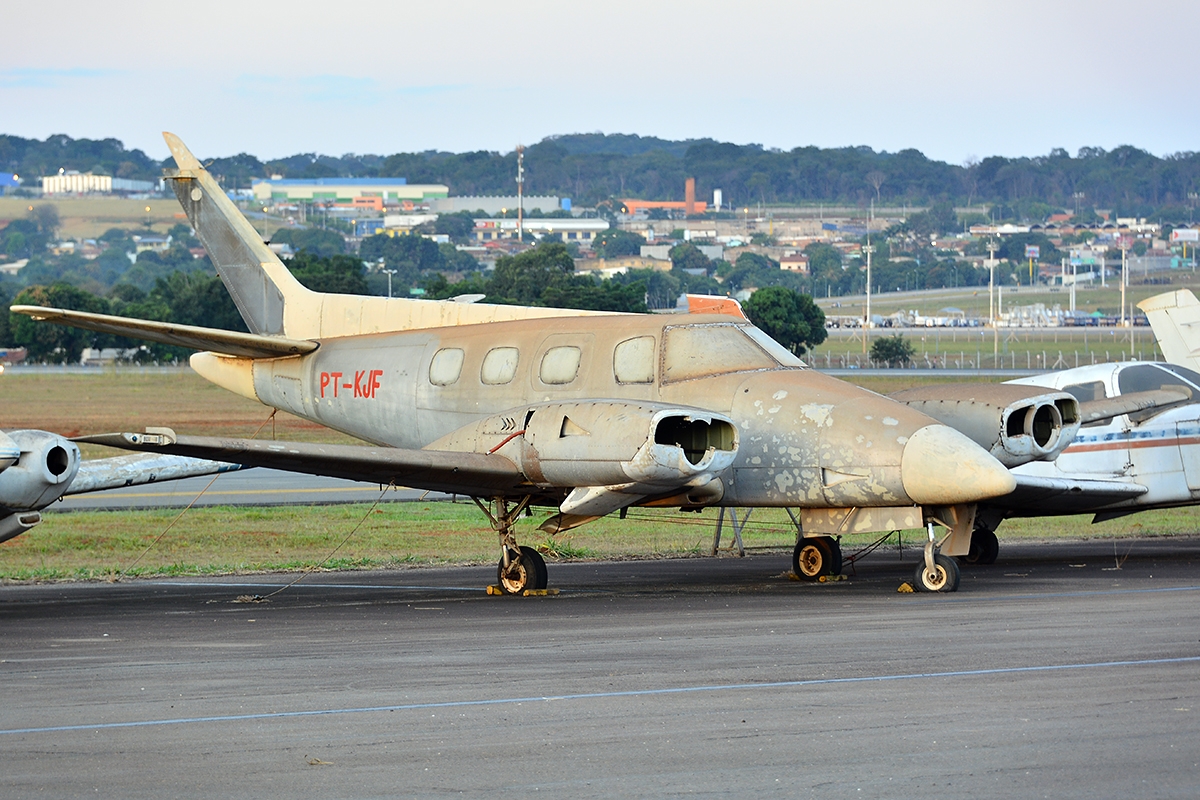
[(953, 79)]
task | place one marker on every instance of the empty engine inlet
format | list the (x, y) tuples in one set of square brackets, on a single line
[(695, 437), (57, 460)]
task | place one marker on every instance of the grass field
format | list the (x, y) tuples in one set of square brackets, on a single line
[(206, 541), (88, 217), (92, 545)]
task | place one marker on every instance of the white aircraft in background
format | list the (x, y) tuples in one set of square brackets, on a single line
[(39, 467), (1137, 446)]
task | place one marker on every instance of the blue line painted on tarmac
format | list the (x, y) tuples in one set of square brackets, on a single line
[(727, 687)]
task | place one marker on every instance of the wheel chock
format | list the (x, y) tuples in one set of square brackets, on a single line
[(497, 591), (905, 588)]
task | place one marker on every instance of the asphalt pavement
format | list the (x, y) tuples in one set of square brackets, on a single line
[(1066, 670), (257, 487)]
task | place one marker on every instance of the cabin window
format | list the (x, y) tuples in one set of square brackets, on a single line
[(499, 365), (446, 366), (560, 365), (697, 351), (633, 360), (1086, 392), (1149, 377)]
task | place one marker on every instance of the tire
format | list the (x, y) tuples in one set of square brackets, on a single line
[(816, 556), (984, 548), (527, 571), (989, 546), (945, 579)]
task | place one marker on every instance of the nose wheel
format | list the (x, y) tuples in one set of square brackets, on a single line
[(816, 556), (526, 569), (935, 572), (521, 568)]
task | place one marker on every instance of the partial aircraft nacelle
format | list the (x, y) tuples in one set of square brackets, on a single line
[(36, 468), (643, 448), (1016, 424)]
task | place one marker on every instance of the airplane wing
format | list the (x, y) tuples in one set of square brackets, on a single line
[(1099, 410), (1037, 496), (437, 470), (137, 470), (234, 343)]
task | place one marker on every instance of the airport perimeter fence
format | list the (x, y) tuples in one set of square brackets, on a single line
[(981, 360)]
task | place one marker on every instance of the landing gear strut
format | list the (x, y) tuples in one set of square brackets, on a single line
[(520, 568), (816, 556), (935, 572)]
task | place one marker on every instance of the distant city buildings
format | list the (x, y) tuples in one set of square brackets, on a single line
[(365, 193), (582, 231)]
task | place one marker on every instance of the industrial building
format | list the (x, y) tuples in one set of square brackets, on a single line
[(582, 231), (493, 206), (373, 193), (74, 182)]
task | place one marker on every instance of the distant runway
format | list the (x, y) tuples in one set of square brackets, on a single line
[(1063, 671), (251, 487)]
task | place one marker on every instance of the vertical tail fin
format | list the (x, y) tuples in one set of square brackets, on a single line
[(256, 279), (1175, 319)]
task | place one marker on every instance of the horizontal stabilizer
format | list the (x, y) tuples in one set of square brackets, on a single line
[(473, 474), (233, 343)]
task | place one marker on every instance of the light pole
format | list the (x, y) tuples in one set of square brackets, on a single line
[(390, 273), (869, 249)]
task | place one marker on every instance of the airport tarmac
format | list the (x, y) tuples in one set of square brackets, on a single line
[(259, 487), (1053, 673)]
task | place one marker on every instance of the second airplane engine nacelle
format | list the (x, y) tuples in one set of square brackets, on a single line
[(1016, 424), (40, 467), (650, 446)]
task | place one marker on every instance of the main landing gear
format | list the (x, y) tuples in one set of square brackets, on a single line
[(520, 569), (984, 546), (816, 556)]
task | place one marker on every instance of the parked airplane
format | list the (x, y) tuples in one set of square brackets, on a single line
[(38, 467), (1135, 445), (587, 412)]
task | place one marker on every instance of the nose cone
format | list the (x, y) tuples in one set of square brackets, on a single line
[(941, 466)]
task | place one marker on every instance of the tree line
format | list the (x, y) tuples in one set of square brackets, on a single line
[(594, 168)]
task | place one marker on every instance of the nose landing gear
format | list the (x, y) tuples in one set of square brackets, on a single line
[(521, 568)]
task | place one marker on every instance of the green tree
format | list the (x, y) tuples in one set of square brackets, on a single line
[(321, 243), (788, 317), (687, 256), (615, 242), (340, 274), (892, 350), (521, 279)]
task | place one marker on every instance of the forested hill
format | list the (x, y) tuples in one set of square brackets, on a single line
[(595, 167)]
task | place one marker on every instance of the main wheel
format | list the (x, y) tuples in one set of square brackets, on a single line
[(944, 577), (984, 547), (816, 556), (526, 570)]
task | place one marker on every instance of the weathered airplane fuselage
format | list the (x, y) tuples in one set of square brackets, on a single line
[(805, 439)]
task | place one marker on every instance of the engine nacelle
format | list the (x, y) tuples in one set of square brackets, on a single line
[(643, 447), (44, 466), (1016, 424)]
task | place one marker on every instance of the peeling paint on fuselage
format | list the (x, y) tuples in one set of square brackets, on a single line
[(793, 422)]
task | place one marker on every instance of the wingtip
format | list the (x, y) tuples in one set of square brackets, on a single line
[(183, 157)]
